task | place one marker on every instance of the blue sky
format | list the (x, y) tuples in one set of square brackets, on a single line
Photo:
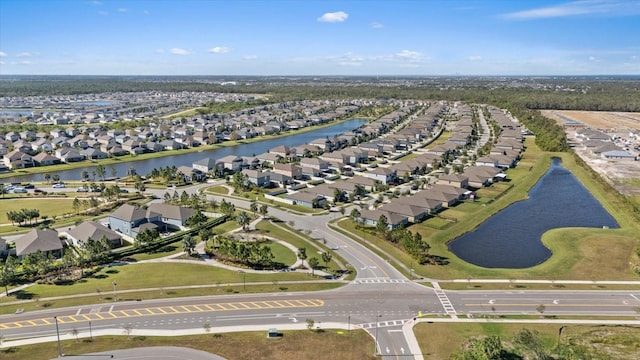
[(295, 37)]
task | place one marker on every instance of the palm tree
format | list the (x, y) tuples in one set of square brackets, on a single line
[(313, 264), (243, 220), (326, 258), (254, 208)]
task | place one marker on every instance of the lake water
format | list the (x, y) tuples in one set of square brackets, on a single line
[(144, 167), (512, 237)]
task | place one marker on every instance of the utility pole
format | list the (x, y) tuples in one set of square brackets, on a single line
[(58, 335), (115, 291)]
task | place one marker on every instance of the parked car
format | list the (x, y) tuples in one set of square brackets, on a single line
[(37, 190), (81, 189), (17, 190), (58, 186)]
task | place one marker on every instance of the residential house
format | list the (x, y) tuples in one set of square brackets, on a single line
[(382, 174), (45, 159), (291, 170), (230, 162), (371, 217), (95, 231), (258, 178), (17, 159), (44, 240), (306, 199), (93, 154), (458, 180), (204, 165), (173, 216), (127, 218)]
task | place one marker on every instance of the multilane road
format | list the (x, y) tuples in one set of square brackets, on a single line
[(380, 300)]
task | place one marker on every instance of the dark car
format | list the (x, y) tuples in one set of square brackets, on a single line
[(29, 186)]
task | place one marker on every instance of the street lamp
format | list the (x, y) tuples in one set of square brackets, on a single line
[(115, 291), (58, 335), (375, 346), (349, 323)]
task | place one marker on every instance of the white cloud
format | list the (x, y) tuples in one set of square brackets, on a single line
[(475, 58), (123, 10), (179, 51), (338, 16), (24, 54), (219, 50), (633, 57), (26, 62), (377, 25), (250, 57), (3, 54), (593, 59), (96, 2), (577, 8), (408, 54)]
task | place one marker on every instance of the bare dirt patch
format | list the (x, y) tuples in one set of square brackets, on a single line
[(608, 121), (622, 174)]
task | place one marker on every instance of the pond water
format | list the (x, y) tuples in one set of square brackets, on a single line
[(512, 237)]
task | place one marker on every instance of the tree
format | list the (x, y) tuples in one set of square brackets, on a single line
[(310, 324), (76, 205), (101, 171), (243, 220), (188, 244), (382, 225), (85, 175), (114, 172), (264, 209), (47, 177), (254, 207), (354, 216), (313, 264), (326, 258), (302, 254), (7, 272), (541, 308), (139, 186)]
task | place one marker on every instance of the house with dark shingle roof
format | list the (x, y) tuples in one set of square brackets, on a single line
[(44, 240), (95, 231)]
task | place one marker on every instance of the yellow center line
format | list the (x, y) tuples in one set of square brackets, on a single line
[(270, 304)]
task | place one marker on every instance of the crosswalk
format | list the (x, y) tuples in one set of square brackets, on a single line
[(382, 324), (444, 300), (380, 281)]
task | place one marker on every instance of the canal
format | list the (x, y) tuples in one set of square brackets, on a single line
[(512, 237), (145, 166)]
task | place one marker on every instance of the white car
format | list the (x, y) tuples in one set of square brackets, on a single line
[(58, 186)]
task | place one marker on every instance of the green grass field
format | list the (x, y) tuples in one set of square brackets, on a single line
[(440, 341), (299, 345), (49, 207)]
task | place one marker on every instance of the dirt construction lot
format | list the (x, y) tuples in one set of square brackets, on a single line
[(623, 174)]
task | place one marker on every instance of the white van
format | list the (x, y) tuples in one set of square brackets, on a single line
[(18, 190)]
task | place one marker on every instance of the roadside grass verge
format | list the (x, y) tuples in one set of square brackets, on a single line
[(152, 275), (440, 340), (299, 345), (281, 253), (106, 297)]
